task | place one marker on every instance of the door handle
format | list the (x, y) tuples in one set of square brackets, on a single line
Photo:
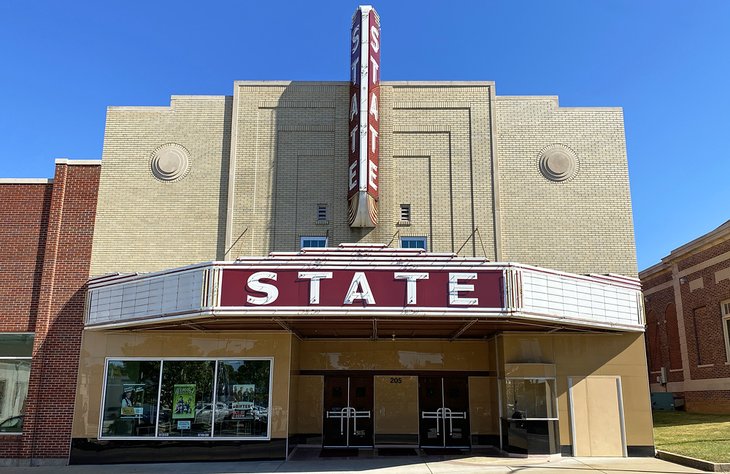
[(342, 415), (437, 415), (358, 414), (459, 415), (345, 414)]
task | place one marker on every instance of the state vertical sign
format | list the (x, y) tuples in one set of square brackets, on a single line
[(364, 118)]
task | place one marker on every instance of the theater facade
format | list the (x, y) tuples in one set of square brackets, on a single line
[(361, 265)]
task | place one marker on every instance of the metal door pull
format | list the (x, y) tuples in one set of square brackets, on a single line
[(459, 415), (444, 414), (345, 414)]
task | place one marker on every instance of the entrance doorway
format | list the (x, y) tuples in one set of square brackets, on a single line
[(444, 410), (348, 412)]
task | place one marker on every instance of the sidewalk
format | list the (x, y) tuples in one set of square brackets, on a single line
[(406, 465)]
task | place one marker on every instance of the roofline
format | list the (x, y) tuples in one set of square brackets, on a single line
[(26, 180), (382, 83), (714, 237), (69, 162), (653, 270), (721, 233)]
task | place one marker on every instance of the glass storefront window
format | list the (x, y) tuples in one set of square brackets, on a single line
[(186, 398), (242, 408), (188, 405), (530, 398), (15, 359), (16, 345), (130, 399)]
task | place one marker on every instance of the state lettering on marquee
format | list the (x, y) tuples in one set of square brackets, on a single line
[(351, 289)]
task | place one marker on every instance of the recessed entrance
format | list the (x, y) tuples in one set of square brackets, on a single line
[(348, 412), (444, 412)]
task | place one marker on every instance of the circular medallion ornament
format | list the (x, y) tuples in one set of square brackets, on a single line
[(558, 162), (170, 162)]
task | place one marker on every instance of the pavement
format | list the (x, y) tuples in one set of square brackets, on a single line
[(382, 465)]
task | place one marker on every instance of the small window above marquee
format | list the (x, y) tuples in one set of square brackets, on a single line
[(413, 243), (313, 241)]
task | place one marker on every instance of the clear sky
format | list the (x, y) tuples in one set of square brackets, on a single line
[(667, 63)]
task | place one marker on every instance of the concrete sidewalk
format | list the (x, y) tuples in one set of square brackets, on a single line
[(406, 465)]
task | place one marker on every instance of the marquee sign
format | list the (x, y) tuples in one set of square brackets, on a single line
[(352, 290), (364, 118), (365, 281)]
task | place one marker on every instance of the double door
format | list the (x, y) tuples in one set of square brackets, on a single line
[(444, 412), (348, 412)]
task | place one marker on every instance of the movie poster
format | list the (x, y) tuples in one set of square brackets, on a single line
[(132, 400), (183, 399), (243, 392)]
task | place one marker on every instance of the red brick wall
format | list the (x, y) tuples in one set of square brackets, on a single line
[(717, 249), (662, 334), (649, 283), (51, 302), (711, 401), (23, 220), (672, 336), (653, 341), (703, 317)]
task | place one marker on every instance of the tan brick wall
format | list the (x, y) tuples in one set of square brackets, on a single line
[(144, 224), (290, 147), (582, 225), (288, 153)]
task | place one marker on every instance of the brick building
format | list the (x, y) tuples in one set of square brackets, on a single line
[(687, 298), (360, 265), (45, 249)]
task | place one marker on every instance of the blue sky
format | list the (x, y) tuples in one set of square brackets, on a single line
[(667, 63)]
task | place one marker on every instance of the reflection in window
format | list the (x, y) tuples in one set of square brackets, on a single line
[(16, 351), (186, 407), (243, 398), (186, 398), (530, 398), (130, 399)]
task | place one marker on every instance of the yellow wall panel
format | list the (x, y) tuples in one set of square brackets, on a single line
[(396, 404)]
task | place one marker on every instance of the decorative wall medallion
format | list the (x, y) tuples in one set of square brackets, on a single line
[(558, 162), (170, 162)]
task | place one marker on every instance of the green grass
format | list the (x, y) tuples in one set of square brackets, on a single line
[(690, 434)]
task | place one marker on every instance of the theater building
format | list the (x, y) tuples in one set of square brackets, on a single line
[(687, 298), (361, 265)]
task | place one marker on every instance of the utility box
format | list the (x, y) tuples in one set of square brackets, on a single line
[(663, 401)]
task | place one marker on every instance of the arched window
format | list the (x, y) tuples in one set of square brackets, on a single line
[(653, 341)]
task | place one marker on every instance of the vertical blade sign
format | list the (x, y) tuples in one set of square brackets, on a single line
[(364, 114)]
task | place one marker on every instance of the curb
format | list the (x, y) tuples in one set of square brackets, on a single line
[(693, 462)]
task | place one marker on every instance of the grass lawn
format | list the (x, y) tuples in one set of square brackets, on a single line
[(699, 436)]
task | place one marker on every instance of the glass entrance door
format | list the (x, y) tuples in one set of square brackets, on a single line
[(444, 405), (348, 412)]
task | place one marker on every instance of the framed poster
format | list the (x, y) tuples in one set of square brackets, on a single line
[(183, 398), (132, 400)]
